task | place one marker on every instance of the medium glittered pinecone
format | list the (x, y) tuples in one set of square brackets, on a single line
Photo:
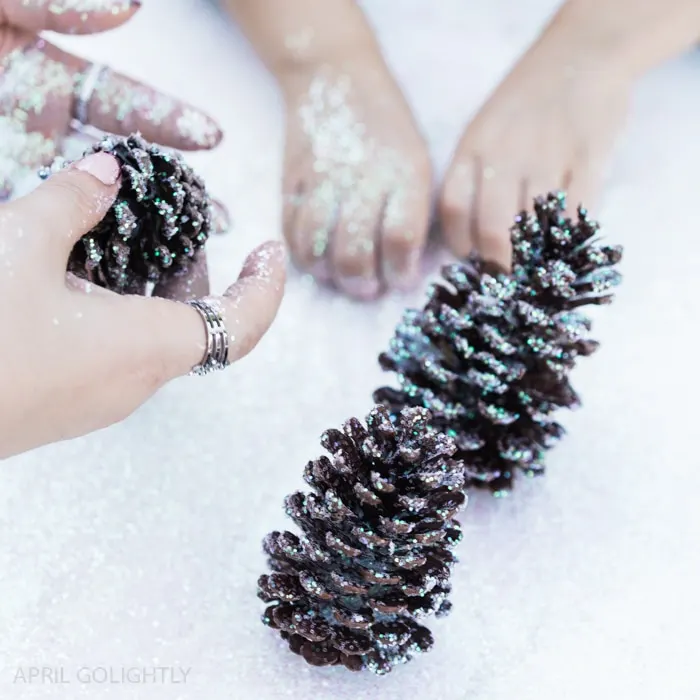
[(374, 555), (159, 220), (490, 353)]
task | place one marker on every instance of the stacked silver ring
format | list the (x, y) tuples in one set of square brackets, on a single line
[(216, 355)]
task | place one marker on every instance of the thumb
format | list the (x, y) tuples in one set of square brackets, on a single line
[(173, 335), (69, 204), (69, 16)]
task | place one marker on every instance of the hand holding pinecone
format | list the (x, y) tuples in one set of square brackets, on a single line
[(160, 219)]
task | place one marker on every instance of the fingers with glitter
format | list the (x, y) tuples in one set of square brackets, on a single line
[(404, 230), (355, 247), (35, 93), (312, 221), (248, 308), (120, 105), (477, 206), (69, 16), (457, 207)]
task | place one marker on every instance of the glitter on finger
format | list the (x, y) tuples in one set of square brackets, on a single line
[(30, 82), (61, 7), (198, 127), (352, 168), (119, 97)]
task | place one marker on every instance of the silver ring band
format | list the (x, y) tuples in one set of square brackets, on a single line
[(89, 81), (216, 354)]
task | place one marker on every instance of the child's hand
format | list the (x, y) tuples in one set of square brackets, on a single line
[(357, 178), (357, 174)]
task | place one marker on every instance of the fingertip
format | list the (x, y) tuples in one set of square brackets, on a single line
[(496, 248), (250, 305), (456, 221), (267, 262), (458, 240), (123, 105), (195, 130), (401, 262)]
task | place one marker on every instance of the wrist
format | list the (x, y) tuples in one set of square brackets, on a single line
[(302, 58), (297, 37), (601, 37)]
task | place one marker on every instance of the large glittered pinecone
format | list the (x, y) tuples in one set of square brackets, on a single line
[(374, 554), (490, 354), (159, 220)]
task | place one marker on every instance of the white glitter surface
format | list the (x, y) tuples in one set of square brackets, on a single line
[(140, 546)]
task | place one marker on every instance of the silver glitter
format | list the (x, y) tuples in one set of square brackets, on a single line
[(60, 7), (356, 173)]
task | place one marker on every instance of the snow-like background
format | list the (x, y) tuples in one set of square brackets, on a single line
[(140, 546)]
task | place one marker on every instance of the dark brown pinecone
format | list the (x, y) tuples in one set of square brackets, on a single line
[(490, 353), (374, 555), (161, 218)]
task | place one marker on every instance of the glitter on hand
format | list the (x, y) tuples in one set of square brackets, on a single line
[(356, 173), (61, 7), (29, 83)]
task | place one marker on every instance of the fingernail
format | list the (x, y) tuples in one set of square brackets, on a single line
[(321, 271), (405, 278), (360, 288), (264, 260), (136, 3), (101, 166)]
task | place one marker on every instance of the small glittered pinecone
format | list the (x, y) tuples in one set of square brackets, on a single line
[(160, 219), (490, 354), (374, 555)]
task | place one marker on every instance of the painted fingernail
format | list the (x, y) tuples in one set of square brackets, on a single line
[(264, 260), (102, 166)]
